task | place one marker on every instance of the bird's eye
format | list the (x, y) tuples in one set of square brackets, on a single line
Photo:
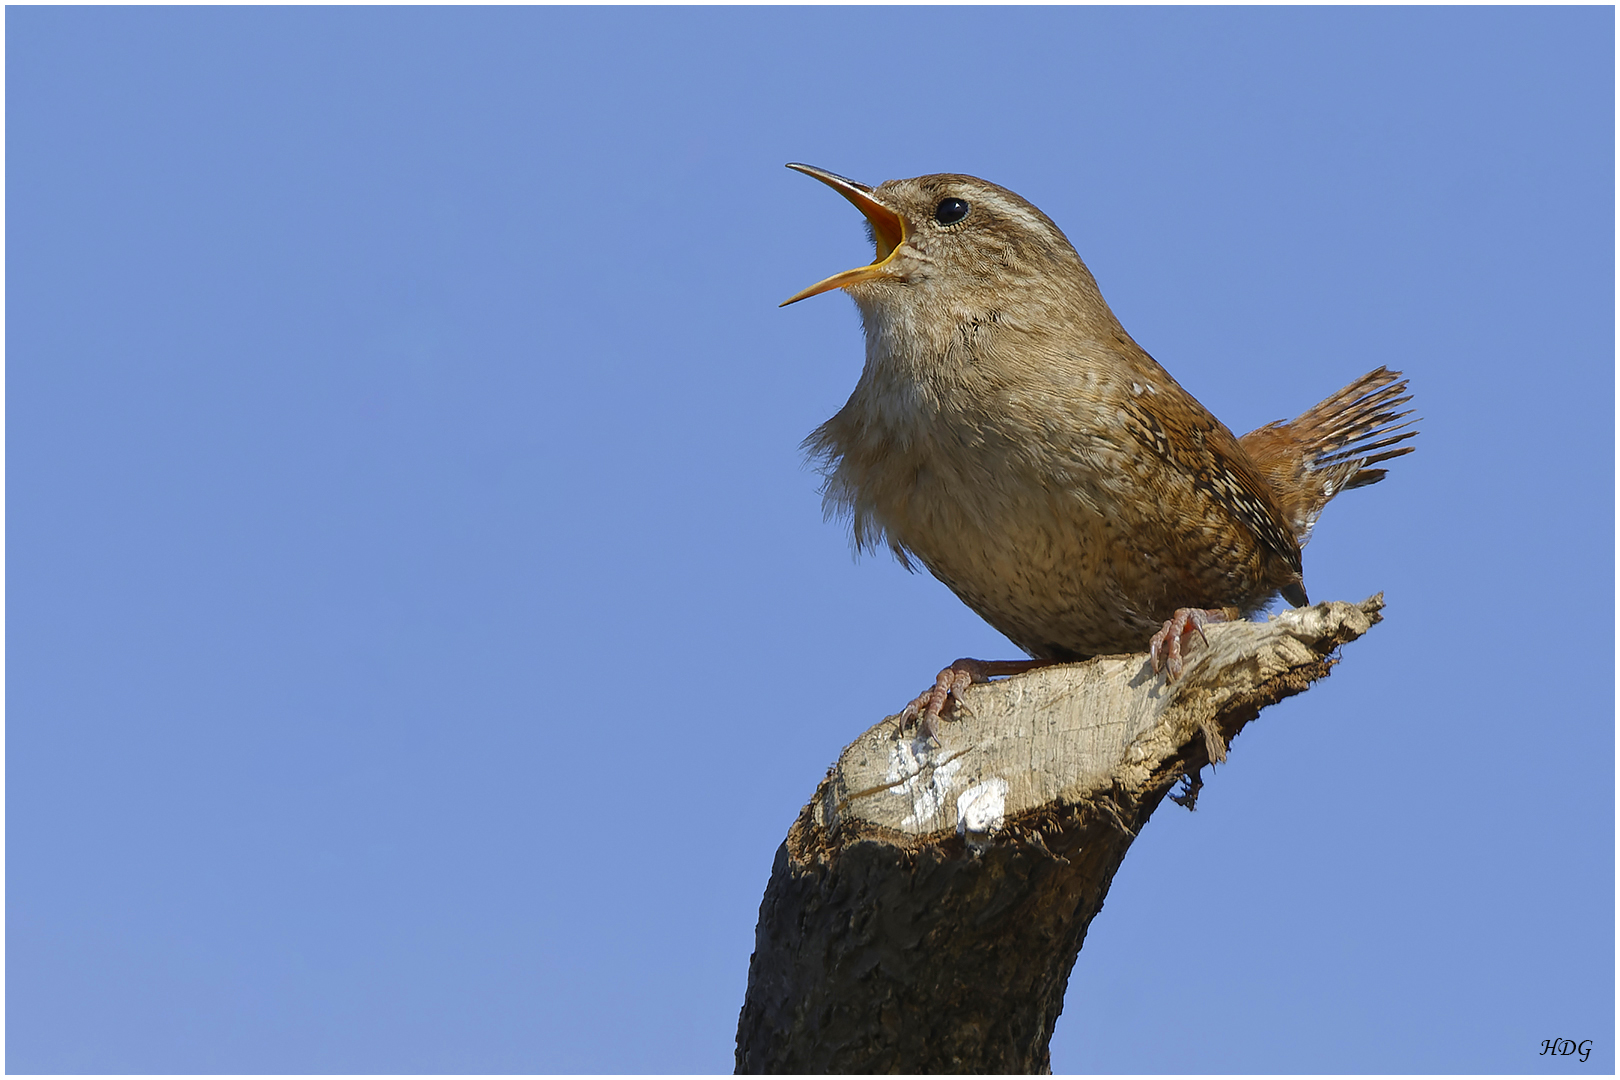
[(950, 211)]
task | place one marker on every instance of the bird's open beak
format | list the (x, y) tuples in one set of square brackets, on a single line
[(888, 231)]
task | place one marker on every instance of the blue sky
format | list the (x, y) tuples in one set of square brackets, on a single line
[(422, 627)]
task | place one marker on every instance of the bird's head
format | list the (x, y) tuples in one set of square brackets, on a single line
[(953, 241)]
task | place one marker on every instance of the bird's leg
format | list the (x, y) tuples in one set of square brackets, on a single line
[(1166, 645), (948, 686)]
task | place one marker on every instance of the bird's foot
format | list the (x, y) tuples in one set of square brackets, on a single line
[(1166, 646), (949, 685)]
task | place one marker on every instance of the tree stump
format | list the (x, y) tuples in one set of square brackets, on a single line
[(927, 907)]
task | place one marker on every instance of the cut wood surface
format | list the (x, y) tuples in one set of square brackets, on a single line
[(928, 904)]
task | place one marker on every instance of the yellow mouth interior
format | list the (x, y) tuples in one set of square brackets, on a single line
[(888, 232)]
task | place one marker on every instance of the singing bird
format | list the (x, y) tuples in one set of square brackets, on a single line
[(1010, 436)]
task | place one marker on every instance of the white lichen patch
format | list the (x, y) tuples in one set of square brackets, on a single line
[(915, 777), (981, 809)]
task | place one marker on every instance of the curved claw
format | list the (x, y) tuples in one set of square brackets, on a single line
[(928, 708), (1172, 635)]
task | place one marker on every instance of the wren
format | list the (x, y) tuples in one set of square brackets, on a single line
[(1007, 434)]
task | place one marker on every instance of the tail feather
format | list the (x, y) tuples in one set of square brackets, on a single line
[(1331, 447)]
